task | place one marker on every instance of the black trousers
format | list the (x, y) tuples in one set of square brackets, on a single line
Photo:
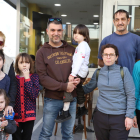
[(24, 131), (109, 127), (138, 118)]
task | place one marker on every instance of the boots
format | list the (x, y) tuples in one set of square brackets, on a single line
[(81, 111), (64, 116)]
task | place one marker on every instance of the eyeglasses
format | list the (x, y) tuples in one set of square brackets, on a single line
[(110, 55), (1, 43), (52, 19)]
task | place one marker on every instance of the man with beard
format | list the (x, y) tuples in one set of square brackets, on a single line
[(53, 65), (127, 43)]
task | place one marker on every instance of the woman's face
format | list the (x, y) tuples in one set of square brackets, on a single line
[(1, 40), (109, 56)]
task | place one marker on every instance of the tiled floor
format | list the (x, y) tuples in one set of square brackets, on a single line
[(77, 136)]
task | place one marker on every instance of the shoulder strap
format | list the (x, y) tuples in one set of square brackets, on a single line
[(122, 73), (97, 74)]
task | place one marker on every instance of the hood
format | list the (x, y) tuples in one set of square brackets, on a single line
[(47, 45)]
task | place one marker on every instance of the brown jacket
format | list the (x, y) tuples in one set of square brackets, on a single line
[(53, 66)]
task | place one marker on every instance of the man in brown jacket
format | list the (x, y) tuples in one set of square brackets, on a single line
[(53, 65)]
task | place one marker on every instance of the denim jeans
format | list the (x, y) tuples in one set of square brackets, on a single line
[(50, 113)]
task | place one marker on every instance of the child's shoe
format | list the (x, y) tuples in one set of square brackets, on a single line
[(81, 111), (64, 116)]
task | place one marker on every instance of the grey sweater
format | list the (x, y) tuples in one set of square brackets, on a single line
[(116, 96)]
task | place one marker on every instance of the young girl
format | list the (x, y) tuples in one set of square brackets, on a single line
[(27, 91), (7, 125), (79, 69)]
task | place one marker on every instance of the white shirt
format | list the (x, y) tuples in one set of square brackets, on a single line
[(81, 60)]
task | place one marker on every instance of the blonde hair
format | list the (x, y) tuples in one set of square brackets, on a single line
[(3, 36)]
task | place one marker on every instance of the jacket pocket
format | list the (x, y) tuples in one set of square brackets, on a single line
[(30, 112)]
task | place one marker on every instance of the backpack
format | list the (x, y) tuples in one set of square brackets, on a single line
[(121, 72)]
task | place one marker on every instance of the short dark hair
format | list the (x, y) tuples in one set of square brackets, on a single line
[(33, 57), (7, 101), (121, 11), (2, 55), (110, 46), (83, 30), (27, 59)]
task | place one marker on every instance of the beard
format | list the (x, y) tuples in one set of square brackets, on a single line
[(56, 40), (121, 29)]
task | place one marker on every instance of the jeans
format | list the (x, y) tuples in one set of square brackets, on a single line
[(50, 113)]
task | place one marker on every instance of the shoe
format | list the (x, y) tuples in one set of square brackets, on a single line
[(64, 116), (81, 111)]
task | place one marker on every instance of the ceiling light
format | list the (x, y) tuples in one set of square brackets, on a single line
[(63, 15), (68, 23), (57, 4), (95, 23), (40, 12), (95, 15)]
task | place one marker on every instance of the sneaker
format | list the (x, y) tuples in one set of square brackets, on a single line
[(64, 116), (81, 111)]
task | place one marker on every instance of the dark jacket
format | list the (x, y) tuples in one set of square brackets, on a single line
[(11, 127), (53, 66), (8, 68), (13, 86)]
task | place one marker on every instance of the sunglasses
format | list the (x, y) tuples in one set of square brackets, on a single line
[(1, 43), (52, 19)]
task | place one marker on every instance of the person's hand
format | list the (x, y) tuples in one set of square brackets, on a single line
[(7, 136), (4, 123), (76, 81), (71, 78), (128, 123), (135, 122), (26, 73), (70, 87), (8, 109)]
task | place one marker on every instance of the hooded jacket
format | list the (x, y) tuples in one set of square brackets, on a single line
[(53, 65)]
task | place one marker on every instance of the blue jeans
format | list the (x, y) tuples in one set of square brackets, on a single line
[(50, 113)]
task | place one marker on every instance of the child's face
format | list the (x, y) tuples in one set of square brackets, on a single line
[(78, 37), (1, 62), (2, 102), (23, 64), (1, 42)]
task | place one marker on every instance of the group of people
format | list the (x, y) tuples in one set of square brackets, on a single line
[(61, 70)]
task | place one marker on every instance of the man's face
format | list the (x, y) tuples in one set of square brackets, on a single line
[(55, 33), (121, 22)]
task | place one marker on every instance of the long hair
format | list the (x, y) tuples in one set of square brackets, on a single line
[(28, 59)]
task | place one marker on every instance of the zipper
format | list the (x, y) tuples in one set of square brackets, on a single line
[(108, 75)]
